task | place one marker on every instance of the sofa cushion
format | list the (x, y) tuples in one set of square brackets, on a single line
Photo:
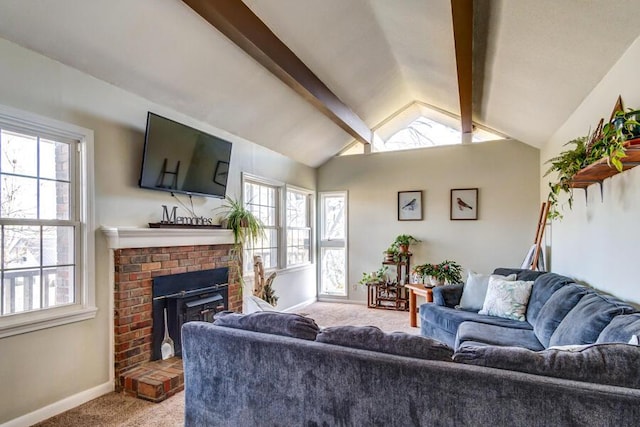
[(587, 319), (613, 364), (620, 329), (496, 335), (270, 322), (507, 299), (399, 343), (447, 295), (543, 287), (555, 309), (475, 290), (521, 274), (448, 319)]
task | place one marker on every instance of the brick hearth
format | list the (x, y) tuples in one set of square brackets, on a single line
[(134, 270)]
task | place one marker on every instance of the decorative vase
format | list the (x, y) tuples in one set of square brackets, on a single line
[(436, 282)]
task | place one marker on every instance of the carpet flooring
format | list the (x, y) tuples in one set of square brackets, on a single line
[(118, 410)]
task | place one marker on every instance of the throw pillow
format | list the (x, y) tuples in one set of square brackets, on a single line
[(507, 299), (613, 364), (270, 322), (398, 343), (475, 290)]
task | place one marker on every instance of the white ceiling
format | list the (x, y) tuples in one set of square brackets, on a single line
[(541, 59)]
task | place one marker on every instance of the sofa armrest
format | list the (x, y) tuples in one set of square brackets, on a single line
[(448, 295)]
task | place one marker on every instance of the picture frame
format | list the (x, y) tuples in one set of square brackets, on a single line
[(410, 205), (463, 204)]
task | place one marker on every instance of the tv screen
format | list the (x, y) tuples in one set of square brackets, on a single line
[(181, 159)]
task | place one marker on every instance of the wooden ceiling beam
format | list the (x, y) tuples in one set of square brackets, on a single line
[(462, 11), (236, 21)]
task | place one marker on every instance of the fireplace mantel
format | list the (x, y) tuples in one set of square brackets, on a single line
[(141, 237)]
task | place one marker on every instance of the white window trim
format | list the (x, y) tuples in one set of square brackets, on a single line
[(281, 222), (279, 197), (84, 308), (337, 243), (310, 194)]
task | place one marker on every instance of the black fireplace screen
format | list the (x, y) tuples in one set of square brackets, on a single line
[(197, 295)]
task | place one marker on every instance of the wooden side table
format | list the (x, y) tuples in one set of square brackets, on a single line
[(414, 290)]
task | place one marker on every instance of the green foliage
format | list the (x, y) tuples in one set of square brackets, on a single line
[(378, 276), (405, 239), (447, 271), (566, 164), (245, 225), (610, 146)]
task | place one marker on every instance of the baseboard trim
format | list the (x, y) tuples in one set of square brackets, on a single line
[(60, 406), (301, 305)]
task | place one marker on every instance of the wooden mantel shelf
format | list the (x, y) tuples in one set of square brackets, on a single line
[(599, 171)]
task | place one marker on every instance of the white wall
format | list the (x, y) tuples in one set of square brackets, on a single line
[(597, 241), (506, 173), (44, 367)]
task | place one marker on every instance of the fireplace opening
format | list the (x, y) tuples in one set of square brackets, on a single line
[(197, 295)]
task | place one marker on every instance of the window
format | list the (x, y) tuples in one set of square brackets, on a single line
[(263, 201), (46, 251), (298, 227), (419, 125), (286, 213), (333, 244)]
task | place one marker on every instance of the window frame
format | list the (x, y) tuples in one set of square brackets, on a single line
[(252, 179), (281, 209), (309, 195), (328, 243), (83, 307)]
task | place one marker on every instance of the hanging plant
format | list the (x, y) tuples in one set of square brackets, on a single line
[(608, 143)]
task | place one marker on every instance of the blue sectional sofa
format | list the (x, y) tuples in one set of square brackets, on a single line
[(560, 312), (278, 369)]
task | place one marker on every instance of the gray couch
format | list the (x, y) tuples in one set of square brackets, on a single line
[(276, 369), (559, 312)]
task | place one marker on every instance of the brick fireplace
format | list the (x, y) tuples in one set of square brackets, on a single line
[(138, 256)]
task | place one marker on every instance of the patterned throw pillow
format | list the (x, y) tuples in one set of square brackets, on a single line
[(507, 299), (475, 290)]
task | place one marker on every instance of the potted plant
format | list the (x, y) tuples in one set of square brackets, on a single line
[(246, 227), (403, 241), (391, 254), (379, 276), (610, 144), (566, 164), (447, 272)]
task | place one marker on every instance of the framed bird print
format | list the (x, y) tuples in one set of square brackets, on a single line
[(410, 205), (464, 204)]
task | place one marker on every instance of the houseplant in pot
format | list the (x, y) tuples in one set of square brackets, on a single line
[(403, 241), (447, 272), (246, 228)]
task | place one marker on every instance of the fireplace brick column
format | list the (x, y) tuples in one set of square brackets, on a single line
[(134, 270)]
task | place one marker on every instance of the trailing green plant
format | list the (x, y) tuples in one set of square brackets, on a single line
[(566, 164), (609, 145), (246, 227)]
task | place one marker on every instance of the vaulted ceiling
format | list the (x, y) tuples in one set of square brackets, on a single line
[(533, 61)]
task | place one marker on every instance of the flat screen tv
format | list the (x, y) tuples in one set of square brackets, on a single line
[(180, 159)]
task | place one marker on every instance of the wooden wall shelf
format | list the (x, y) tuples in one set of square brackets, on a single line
[(597, 172)]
